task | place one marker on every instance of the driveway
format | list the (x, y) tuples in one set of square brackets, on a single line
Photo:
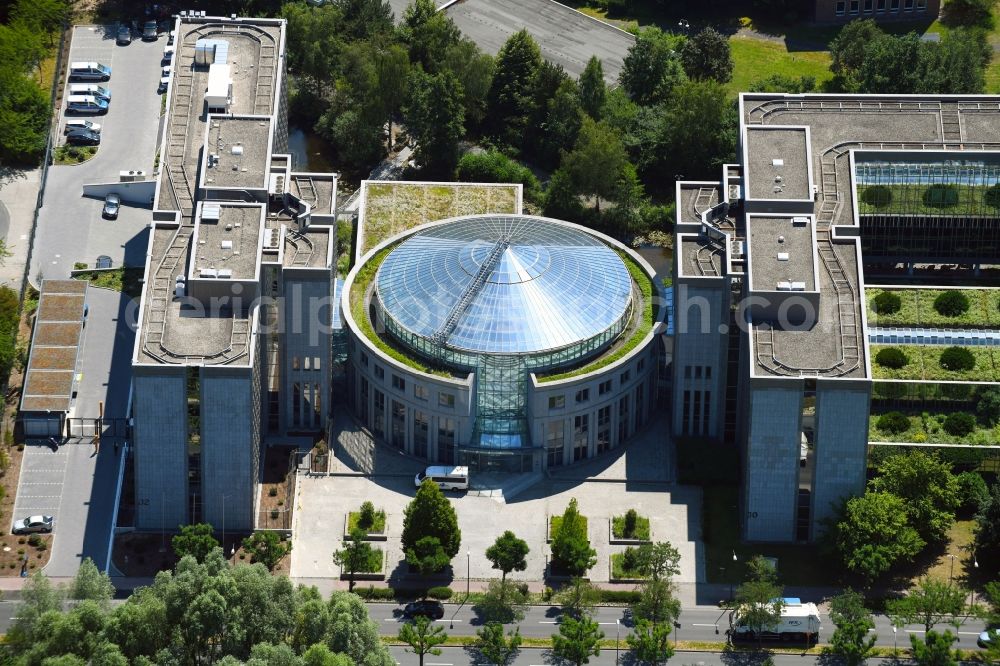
[(566, 37), (70, 227)]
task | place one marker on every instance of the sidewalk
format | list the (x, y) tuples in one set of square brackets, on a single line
[(18, 196)]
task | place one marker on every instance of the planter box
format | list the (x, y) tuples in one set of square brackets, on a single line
[(366, 575), (371, 536), (613, 579), (624, 542)]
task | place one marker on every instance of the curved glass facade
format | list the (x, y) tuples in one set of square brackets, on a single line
[(503, 296)]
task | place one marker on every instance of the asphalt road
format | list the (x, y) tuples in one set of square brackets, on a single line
[(697, 624)]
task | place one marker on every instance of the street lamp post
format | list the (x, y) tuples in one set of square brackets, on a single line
[(731, 579), (618, 626), (224, 524), (972, 584), (893, 640), (468, 572), (951, 571)]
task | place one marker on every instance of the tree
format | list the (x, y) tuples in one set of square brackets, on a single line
[(508, 554), (474, 70), (427, 556), (988, 532), (873, 533), (660, 560), (929, 603), (392, 72), (321, 655), (578, 640), (365, 19), (657, 603), (850, 640), (785, 84), (651, 69), (358, 139), (630, 199), (973, 492), (510, 98), (969, 12), (495, 647), (561, 125), (91, 584), (707, 56), (354, 556), (988, 406), (561, 199), (44, 16), (434, 118), (934, 650), (592, 89), (195, 540), (578, 597), (926, 486), (651, 642), (423, 637), (38, 598), (570, 545), (431, 514), (758, 601), (266, 547), (504, 601), (315, 43), (428, 33), (495, 167), (597, 160)]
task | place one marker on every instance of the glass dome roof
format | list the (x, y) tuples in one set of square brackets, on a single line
[(504, 284)]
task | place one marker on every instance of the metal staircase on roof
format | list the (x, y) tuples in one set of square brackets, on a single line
[(472, 289)]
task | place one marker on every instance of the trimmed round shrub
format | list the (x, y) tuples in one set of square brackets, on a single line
[(957, 359), (992, 196), (891, 357), (972, 493), (887, 302), (941, 196), (893, 422), (959, 424), (440, 593), (951, 303), (878, 196)]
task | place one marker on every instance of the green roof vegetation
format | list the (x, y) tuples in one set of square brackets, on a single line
[(392, 208), (917, 308), (638, 335), (936, 199), (924, 362), (929, 427), (125, 280)]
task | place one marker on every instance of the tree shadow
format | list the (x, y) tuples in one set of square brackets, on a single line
[(10, 173), (733, 656)]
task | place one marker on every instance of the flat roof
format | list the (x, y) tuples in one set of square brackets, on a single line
[(781, 253), (695, 199), (48, 382), (227, 238), (239, 148), (699, 257), (777, 163)]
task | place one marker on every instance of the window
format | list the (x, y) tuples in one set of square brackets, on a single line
[(554, 442), (880, 6), (841, 7), (603, 429), (687, 372), (363, 402), (640, 406), (296, 404), (315, 362), (379, 372), (581, 436), (306, 363), (378, 414), (295, 363), (420, 429), (907, 5), (854, 6), (317, 406), (641, 365), (623, 414), (708, 372), (583, 395), (894, 5), (697, 372), (557, 401), (625, 377), (398, 439), (420, 392), (446, 441), (398, 383), (446, 400), (921, 5), (605, 387), (364, 359), (868, 6)]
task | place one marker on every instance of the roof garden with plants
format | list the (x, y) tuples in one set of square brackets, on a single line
[(936, 363), (929, 187), (937, 414), (934, 308), (390, 208)]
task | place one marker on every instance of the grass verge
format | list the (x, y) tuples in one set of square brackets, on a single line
[(73, 154), (755, 59)]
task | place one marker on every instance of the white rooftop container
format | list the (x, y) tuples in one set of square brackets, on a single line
[(219, 87)]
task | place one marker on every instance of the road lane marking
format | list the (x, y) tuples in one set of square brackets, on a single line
[(431, 663), (695, 624), (547, 622)]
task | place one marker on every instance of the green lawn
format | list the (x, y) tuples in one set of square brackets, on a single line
[(924, 363), (641, 531), (755, 59), (619, 570), (555, 522), (378, 527), (917, 309)]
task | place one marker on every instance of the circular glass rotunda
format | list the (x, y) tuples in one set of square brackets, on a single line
[(495, 298)]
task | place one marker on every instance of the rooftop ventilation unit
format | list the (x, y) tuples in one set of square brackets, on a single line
[(225, 273), (227, 245), (734, 192), (784, 286), (777, 162), (800, 221), (271, 239), (782, 256), (211, 212), (236, 150), (208, 273), (798, 286)]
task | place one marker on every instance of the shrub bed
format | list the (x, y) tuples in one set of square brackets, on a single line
[(951, 303), (630, 526), (894, 422), (371, 593), (367, 518), (957, 359), (626, 565), (941, 196), (891, 357), (878, 196), (441, 593), (959, 424), (886, 302)]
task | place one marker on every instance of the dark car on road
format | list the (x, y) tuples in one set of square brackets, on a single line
[(432, 609), (124, 35), (150, 31), (83, 137), (112, 203), (33, 525)]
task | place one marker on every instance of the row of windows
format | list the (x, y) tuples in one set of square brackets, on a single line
[(420, 392), (307, 405), (869, 6), (629, 421), (557, 402), (696, 412), (305, 363), (697, 371), (397, 425)]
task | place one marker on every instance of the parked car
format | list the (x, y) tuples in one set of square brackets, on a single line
[(33, 524), (103, 261), (81, 123), (112, 203), (124, 35), (987, 636), (164, 82), (83, 137), (426, 608), (150, 31)]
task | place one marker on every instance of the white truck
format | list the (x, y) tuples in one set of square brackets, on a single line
[(799, 623)]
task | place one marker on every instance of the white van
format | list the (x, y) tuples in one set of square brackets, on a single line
[(89, 71), (86, 104), (81, 124), (90, 89), (448, 478)]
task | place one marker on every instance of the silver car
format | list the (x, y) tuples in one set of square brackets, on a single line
[(112, 203), (33, 524)]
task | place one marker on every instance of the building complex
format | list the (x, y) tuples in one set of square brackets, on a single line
[(776, 333)]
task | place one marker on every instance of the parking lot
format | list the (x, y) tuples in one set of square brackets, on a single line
[(70, 227)]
